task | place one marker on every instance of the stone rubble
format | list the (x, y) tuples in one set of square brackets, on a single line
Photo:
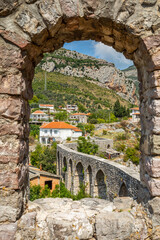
[(86, 219)]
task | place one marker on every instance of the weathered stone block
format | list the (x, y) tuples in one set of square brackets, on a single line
[(8, 213), (8, 231), (14, 108), (152, 165), (32, 24), (27, 226), (11, 198), (153, 185), (154, 210), (114, 225), (52, 14), (153, 107), (154, 79), (12, 57), (7, 7), (12, 147), (11, 84), (13, 177), (149, 2), (7, 159), (156, 145)]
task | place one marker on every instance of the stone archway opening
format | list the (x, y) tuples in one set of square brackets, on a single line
[(100, 185), (89, 181), (43, 26), (123, 192), (78, 177)]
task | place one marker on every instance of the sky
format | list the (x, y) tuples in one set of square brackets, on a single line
[(99, 50)]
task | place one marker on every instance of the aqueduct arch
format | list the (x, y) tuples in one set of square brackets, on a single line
[(28, 28)]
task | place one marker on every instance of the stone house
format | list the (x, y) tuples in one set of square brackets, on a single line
[(58, 131), (39, 177)]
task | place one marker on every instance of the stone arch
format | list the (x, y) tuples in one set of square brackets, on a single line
[(100, 185), (123, 192), (70, 172), (22, 45), (88, 183), (78, 177)]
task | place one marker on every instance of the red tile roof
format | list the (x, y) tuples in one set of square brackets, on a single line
[(38, 112), (75, 114), (45, 105), (136, 113), (136, 108), (60, 125)]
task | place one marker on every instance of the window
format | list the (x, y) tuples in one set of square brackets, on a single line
[(51, 131), (43, 140), (49, 183), (55, 131), (45, 131)]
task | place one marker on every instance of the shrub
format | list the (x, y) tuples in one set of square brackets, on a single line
[(86, 146), (120, 147), (133, 155), (121, 136), (68, 139), (104, 132)]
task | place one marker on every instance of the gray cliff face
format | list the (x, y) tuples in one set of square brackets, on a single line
[(103, 73)]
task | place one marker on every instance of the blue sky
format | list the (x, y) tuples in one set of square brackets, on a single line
[(99, 50)]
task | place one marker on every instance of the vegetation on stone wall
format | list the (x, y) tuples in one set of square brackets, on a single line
[(86, 146), (36, 191)]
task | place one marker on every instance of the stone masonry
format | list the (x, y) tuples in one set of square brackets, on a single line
[(29, 28)]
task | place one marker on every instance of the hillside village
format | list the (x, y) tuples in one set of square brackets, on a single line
[(109, 125)]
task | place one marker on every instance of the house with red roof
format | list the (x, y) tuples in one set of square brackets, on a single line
[(39, 116), (79, 118), (135, 114), (57, 131), (47, 107)]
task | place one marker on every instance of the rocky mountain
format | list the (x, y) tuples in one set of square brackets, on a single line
[(97, 71)]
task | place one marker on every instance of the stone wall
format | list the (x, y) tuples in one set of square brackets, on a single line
[(103, 178), (29, 28)]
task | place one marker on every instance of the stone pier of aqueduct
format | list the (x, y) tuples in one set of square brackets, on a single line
[(29, 28)]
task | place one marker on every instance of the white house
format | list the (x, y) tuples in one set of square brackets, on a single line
[(39, 116), (78, 118), (47, 107), (135, 114), (71, 108), (57, 131)]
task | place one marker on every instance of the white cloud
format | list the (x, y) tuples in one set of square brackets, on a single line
[(111, 55)]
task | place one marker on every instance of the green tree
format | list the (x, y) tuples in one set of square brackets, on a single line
[(86, 146), (61, 116), (116, 109), (34, 130), (34, 100), (81, 108), (44, 156)]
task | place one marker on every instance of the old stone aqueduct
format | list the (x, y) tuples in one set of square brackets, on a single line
[(102, 178), (29, 28)]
